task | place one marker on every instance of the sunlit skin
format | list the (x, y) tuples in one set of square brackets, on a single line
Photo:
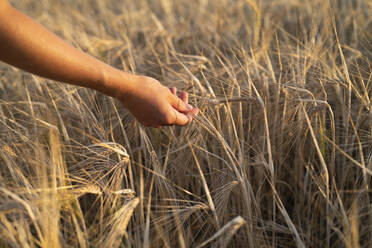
[(27, 45)]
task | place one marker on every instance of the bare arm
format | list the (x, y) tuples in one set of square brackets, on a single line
[(27, 45)]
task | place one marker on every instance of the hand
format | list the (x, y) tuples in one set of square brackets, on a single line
[(155, 105)]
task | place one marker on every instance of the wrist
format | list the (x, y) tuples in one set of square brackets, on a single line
[(119, 84)]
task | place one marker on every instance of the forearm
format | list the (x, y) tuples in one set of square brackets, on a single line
[(27, 45)]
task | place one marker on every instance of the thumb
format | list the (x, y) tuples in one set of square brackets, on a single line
[(181, 119), (179, 105)]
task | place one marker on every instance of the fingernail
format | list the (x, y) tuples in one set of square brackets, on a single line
[(189, 107)]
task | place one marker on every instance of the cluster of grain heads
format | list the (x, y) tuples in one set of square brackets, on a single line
[(42, 204)]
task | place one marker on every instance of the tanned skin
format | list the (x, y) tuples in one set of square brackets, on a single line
[(29, 46)]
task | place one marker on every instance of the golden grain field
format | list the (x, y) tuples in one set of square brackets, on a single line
[(279, 156)]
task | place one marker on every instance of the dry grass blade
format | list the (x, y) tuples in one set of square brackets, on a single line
[(117, 224), (225, 233), (205, 186)]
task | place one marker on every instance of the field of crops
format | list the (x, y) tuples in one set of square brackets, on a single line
[(280, 154)]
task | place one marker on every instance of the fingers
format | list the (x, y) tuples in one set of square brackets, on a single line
[(181, 119), (173, 90), (183, 95), (184, 112), (185, 118), (174, 117), (194, 112), (179, 104)]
